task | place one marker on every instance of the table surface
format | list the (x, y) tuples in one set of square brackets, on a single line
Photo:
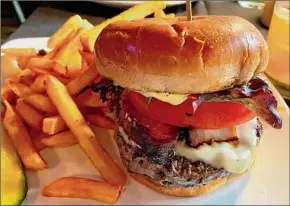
[(49, 16)]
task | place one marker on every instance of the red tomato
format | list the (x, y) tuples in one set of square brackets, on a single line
[(177, 115), (209, 115), (159, 131), (216, 115)]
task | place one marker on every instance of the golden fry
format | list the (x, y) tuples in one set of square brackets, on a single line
[(159, 14), (70, 113), (171, 15), (64, 80), (53, 125), (20, 51), (136, 12), (36, 138), (26, 76), (21, 139), (21, 90), (71, 25), (78, 187), (30, 115), (62, 139), (7, 93), (69, 57), (41, 63), (23, 61), (89, 57), (39, 84), (76, 85), (41, 102), (87, 25), (9, 67)]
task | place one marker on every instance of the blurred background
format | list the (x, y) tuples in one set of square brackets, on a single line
[(42, 18)]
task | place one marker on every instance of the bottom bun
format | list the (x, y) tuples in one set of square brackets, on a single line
[(183, 191)]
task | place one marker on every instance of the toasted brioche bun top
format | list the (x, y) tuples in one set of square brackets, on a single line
[(207, 54)]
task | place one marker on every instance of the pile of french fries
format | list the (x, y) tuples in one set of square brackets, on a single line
[(43, 107)]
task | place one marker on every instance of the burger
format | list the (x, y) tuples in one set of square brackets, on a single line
[(187, 98)]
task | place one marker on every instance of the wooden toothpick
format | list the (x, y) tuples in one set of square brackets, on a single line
[(188, 10)]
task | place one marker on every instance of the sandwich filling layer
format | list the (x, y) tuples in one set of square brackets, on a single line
[(174, 148)]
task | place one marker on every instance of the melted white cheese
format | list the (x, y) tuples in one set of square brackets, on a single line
[(235, 159), (173, 99)]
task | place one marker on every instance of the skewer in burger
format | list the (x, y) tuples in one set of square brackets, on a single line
[(187, 99)]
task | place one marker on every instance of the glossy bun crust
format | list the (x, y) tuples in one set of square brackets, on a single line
[(207, 54)]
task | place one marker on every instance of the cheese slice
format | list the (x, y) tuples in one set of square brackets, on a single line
[(173, 99), (235, 159)]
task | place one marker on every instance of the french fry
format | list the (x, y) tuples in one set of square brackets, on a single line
[(7, 94), (64, 80), (159, 14), (100, 121), (71, 25), (31, 116), (70, 113), (3, 110), (76, 85), (87, 25), (21, 139), (21, 90), (52, 54), (136, 12), (9, 67), (41, 63), (53, 125), (171, 15), (62, 139), (41, 71), (36, 138), (60, 69), (41, 102), (88, 56), (79, 187), (39, 84), (20, 51), (23, 61), (90, 99), (26, 76), (69, 57)]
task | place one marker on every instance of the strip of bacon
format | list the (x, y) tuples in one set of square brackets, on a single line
[(255, 95)]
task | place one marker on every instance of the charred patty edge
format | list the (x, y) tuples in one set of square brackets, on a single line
[(180, 172)]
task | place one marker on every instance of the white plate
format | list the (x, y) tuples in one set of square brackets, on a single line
[(126, 4), (268, 183)]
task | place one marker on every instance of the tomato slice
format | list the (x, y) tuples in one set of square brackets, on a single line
[(177, 115), (158, 131), (216, 115), (209, 115)]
